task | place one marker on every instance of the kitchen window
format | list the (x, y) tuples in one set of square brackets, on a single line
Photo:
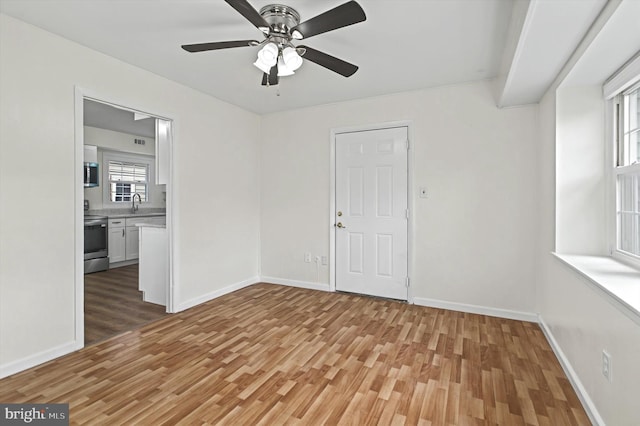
[(126, 175), (626, 173)]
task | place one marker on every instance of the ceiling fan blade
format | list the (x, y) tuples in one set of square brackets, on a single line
[(202, 47), (245, 9), (272, 78), (330, 62), (342, 16)]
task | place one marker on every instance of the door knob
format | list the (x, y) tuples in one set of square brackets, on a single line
[(339, 213), (340, 225)]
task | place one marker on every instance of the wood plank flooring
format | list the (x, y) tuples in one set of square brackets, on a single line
[(272, 355), (113, 304)]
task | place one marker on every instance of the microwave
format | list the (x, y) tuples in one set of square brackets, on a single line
[(91, 175)]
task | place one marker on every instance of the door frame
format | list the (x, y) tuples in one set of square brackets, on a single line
[(332, 196), (80, 94)]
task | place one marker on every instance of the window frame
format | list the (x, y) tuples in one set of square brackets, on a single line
[(615, 118), (108, 156)]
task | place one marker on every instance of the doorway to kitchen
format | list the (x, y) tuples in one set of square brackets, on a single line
[(124, 274)]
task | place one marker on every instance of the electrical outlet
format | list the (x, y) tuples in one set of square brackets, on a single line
[(307, 257), (325, 260), (606, 365)]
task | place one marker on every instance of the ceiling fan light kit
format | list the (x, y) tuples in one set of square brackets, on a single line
[(283, 69), (286, 59), (267, 57), (280, 24), (291, 58)]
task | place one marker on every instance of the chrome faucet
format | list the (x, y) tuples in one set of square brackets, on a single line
[(134, 208)]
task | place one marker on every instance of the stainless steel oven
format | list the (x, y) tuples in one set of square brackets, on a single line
[(96, 249)]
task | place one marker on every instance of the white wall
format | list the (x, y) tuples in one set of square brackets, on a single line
[(216, 216), (474, 240), (580, 171), (118, 141), (121, 142), (582, 320)]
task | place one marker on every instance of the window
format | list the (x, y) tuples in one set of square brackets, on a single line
[(126, 179), (126, 175), (627, 172)]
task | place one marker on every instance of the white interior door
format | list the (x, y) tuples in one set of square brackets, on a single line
[(371, 212)]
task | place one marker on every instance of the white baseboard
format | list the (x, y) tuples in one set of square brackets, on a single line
[(37, 359), (476, 309), (217, 293), (294, 283), (587, 403), (242, 284)]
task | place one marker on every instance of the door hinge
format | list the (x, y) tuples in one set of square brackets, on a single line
[(406, 213), (407, 141), (406, 281)]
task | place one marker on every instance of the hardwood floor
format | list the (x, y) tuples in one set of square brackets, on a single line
[(274, 355), (113, 304)]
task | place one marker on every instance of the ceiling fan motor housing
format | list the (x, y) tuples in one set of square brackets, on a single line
[(281, 18)]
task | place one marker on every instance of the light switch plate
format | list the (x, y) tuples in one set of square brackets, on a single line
[(606, 366)]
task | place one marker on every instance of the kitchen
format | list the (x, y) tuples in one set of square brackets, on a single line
[(125, 240)]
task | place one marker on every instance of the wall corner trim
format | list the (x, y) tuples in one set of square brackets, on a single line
[(295, 283), (577, 385), (476, 309), (30, 361), (216, 293)]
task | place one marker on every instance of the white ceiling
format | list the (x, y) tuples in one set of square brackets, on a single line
[(403, 45), (103, 116), (600, 61), (547, 33)]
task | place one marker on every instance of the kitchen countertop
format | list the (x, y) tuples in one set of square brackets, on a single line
[(123, 213)]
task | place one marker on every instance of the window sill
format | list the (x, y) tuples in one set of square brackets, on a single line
[(618, 281)]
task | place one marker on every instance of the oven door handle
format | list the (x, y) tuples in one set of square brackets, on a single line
[(93, 222)]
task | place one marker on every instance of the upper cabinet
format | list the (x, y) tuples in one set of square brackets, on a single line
[(163, 142)]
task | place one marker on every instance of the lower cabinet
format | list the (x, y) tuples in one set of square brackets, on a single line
[(123, 241), (117, 240), (124, 236), (132, 250), (153, 276)]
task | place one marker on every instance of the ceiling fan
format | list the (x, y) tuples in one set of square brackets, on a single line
[(280, 24)]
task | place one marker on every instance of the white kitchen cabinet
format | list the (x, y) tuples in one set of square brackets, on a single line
[(132, 250), (153, 279), (117, 240), (124, 236), (163, 138)]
